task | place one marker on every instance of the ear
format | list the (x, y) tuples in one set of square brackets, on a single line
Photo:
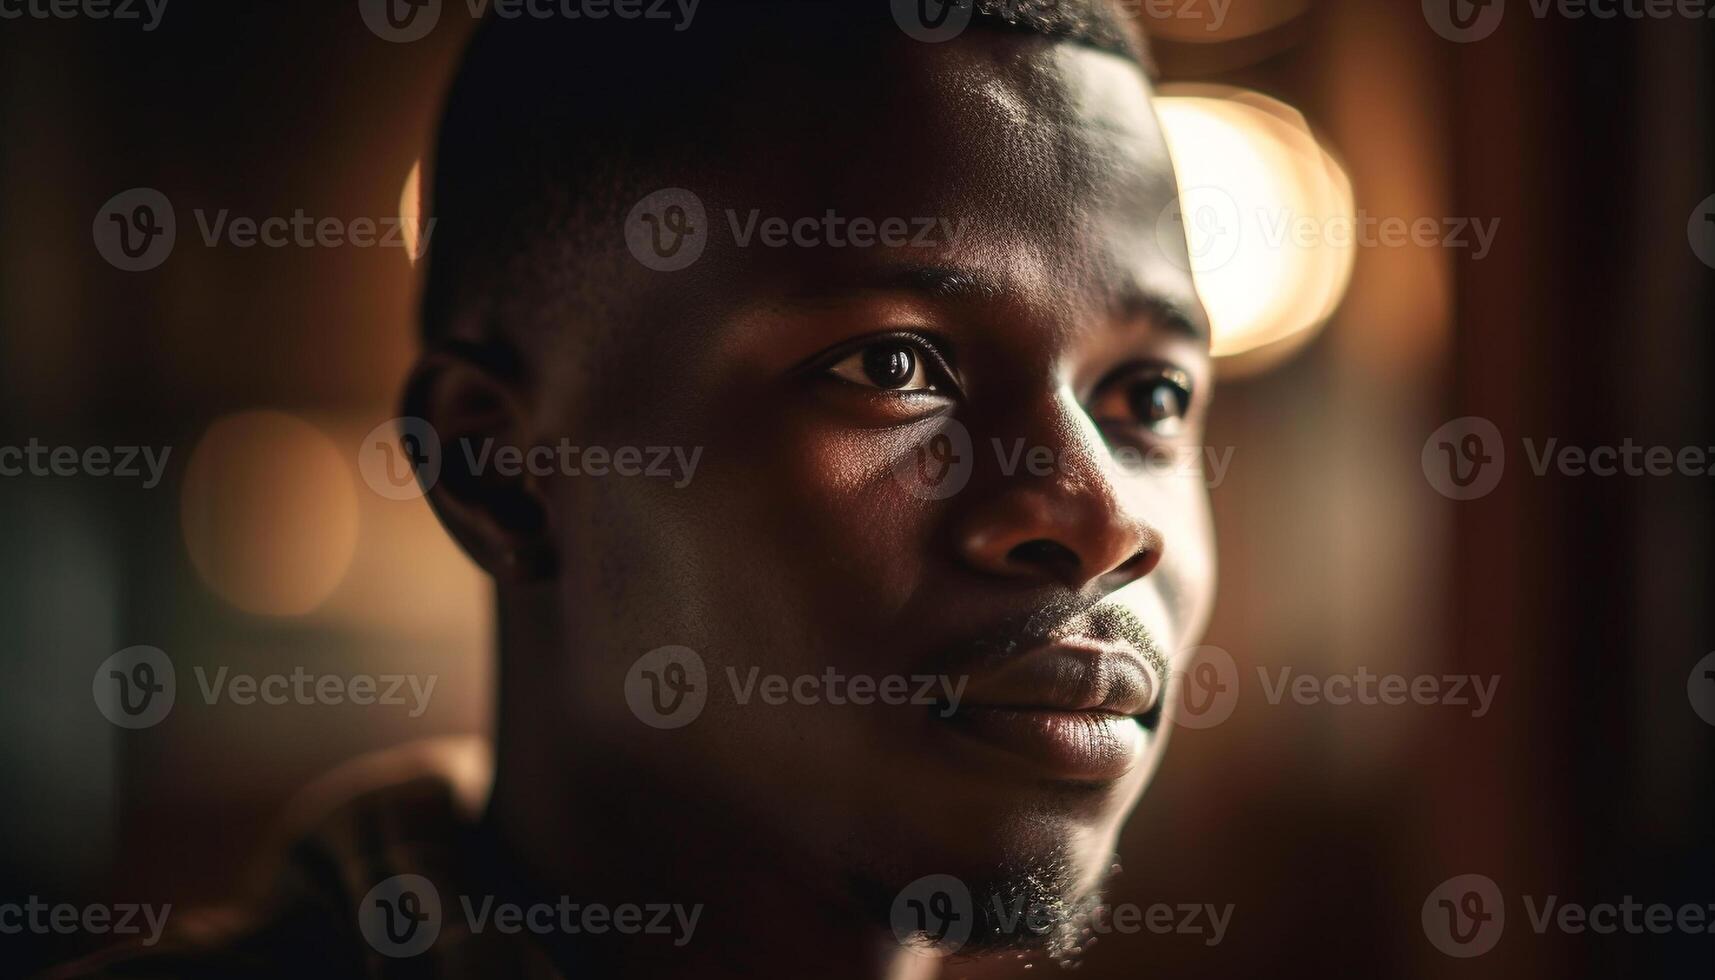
[(492, 506)]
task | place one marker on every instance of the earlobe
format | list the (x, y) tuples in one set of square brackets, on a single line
[(499, 514)]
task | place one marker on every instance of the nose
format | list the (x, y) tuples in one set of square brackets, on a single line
[(1067, 523)]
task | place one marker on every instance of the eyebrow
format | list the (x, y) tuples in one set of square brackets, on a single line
[(1181, 316), (1178, 316)]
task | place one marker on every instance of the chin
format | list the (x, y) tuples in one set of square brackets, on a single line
[(1008, 906), (1017, 876)]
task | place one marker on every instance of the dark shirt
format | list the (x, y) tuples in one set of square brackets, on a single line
[(337, 908)]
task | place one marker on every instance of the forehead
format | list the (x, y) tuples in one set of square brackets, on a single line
[(1036, 165)]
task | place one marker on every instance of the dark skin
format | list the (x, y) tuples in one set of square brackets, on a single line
[(1059, 316)]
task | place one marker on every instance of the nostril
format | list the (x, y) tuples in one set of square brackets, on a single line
[(1137, 564), (1043, 553)]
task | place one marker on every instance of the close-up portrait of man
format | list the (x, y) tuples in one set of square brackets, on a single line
[(746, 506)]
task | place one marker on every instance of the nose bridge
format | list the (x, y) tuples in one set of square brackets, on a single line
[(1081, 469), (1058, 507)]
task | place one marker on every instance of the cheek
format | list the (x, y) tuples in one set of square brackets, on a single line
[(1188, 582), (798, 544), (1180, 591), (841, 509)]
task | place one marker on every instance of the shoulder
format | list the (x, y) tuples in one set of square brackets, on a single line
[(401, 811)]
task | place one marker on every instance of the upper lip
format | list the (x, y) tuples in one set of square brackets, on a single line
[(1078, 673)]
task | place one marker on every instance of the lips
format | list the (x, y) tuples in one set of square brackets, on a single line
[(1068, 709)]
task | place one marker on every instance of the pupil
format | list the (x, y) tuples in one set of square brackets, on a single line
[(1156, 402), (888, 367)]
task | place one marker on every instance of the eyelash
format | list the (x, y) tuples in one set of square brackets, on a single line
[(1124, 384), (927, 353), (930, 359)]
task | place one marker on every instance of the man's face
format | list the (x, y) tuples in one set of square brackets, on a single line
[(1040, 555)]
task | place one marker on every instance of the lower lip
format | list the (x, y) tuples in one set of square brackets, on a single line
[(1082, 746)]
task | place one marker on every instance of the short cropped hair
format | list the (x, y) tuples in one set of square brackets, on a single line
[(553, 128)]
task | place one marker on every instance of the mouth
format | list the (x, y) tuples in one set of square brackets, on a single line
[(1077, 709)]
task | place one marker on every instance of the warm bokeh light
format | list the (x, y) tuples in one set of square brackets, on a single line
[(1268, 215), (270, 512), (411, 211)]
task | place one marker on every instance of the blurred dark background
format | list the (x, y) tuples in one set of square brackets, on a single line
[(1325, 826)]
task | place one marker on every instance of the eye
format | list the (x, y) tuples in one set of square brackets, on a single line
[(894, 364), (1154, 398)]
